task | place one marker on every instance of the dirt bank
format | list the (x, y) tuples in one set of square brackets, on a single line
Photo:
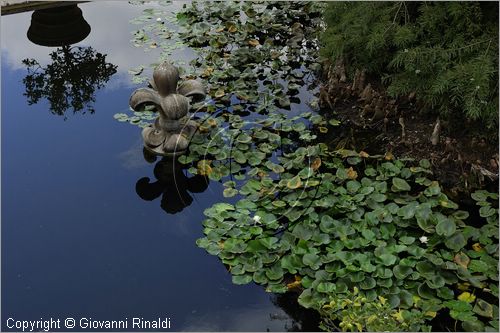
[(463, 158)]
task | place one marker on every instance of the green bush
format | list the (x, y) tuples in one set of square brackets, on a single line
[(445, 52)]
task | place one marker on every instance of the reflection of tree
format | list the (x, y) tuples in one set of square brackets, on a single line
[(172, 185), (70, 80), (304, 320)]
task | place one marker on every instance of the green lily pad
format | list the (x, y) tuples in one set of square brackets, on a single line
[(483, 308), (242, 279), (275, 272), (294, 183), (229, 192), (446, 227), (326, 287), (456, 242), (400, 184), (312, 260)]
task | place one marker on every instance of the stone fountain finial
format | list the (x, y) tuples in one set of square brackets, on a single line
[(171, 131)]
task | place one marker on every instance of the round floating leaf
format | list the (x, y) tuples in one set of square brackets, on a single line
[(260, 277), (294, 183), (456, 242), (486, 211), (368, 283), (277, 288), (425, 292), (269, 242), (388, 259), (461, 215), (229, 192), (235, 245), (334, 122), (480, 195), (400, 184), (462, 259), (446, 227), (326, 287), (394, 301), (446, 293), (274, 167), (407, 240), (401, 272), (244, 138), (275, 272), (406, 299), (433, 189), (242, 279), (436, 282), (119, 116), (307, 300), (473, 326), (238, 156), (353, 186), (291, 263), (483, 308), (312, 260), (279, 203)]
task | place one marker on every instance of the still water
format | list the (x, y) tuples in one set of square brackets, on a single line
[(77, 239)]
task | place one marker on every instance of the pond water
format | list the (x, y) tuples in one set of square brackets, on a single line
[(77, 239)]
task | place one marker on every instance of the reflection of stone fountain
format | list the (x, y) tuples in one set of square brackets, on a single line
[(172, 184), (58, 26), (171, 132)]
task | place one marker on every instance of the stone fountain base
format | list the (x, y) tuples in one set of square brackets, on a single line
[(168, 143)]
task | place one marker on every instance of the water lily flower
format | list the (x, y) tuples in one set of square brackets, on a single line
[(423, 239), (158, 19), (256, 219)]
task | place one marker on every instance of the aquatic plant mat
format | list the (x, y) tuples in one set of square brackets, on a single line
[(369, 241)]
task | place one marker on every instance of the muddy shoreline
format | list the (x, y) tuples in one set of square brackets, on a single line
[(463, 158)]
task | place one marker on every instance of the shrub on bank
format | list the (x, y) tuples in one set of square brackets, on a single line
[(445, 52)]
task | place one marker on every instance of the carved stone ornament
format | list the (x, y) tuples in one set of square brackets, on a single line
[(171, 132)]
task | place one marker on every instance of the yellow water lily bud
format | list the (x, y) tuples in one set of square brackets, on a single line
[(466, 297), (351, 173), (363, 154), (463, 286), (398, 316), (477, 247), (431, 314)]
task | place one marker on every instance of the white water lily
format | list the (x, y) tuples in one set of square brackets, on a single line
[(423, 239), (158, 19), (256, 219)]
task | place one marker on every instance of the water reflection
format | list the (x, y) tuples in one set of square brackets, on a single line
[(75, 73), (63, 25), (70, 80), (305, 320), (172, 184)]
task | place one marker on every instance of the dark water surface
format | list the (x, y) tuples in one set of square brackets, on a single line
[(77, 240)]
